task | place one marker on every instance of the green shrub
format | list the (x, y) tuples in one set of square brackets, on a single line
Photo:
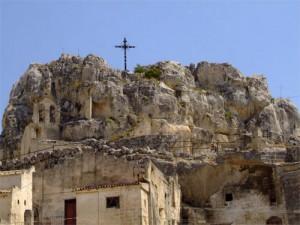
[(273, 100), (139, 69), (153, 72), (228, 115), (149, 72)]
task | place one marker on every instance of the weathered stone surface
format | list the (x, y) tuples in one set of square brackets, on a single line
[(175, 75), (217, 129), (197, 106), (243, 95), (82, 129)]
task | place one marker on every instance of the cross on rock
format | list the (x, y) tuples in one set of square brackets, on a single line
[(125, 46)]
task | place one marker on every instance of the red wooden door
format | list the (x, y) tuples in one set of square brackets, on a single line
[(70, 212)]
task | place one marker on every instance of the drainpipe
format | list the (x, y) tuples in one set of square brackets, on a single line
[(98, 208)]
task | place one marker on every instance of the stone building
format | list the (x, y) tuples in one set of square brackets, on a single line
[(113, 204), (72, 188), (16, 197), (125, 204), (44, 126)]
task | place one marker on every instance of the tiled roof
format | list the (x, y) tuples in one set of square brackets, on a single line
[(11, 172), (5, 191), (96, 187)]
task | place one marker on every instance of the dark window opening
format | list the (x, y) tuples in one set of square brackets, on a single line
[(52, 114), (78, 106), (53, 89), (228, 197), (178, 93), (41, 113), (267, 134), (24, 202), (184, 216), (113, 202), (266, 184), (37, 133), (272, 196)]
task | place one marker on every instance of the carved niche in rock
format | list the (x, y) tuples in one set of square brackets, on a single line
[(101, 108)]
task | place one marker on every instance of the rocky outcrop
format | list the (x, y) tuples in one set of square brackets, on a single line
[(203, 109), (244, 96)]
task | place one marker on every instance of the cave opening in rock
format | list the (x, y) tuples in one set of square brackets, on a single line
[(178, 93), (228, 197)]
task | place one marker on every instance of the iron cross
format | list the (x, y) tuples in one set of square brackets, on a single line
[(125, 46)]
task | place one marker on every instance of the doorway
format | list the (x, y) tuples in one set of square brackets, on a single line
[(70, 212), (274, 220)]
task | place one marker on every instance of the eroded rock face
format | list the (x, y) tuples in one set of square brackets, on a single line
[(197, 107), (244, 95), (82, 129), (175, 75)]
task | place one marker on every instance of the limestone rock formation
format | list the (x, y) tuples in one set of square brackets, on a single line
[(199, 106)]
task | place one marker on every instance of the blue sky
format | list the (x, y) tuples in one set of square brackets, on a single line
[(260, 37)]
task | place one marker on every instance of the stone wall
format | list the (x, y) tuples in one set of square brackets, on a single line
[(165, 197), (5, 204), (290, 178), (92, 208)]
